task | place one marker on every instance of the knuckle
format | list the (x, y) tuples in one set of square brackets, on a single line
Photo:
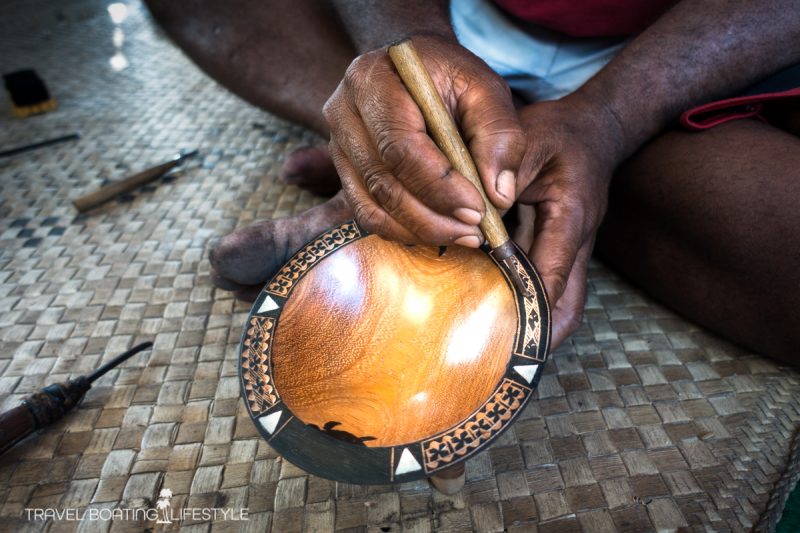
[(393, 147), (489, 80), (499, 139), (507, 137), (383, 188), (336, 111), (355, 71), (370, 218), (424, 178), (330, 108), (430, 187), (559, 276), (574, 319)]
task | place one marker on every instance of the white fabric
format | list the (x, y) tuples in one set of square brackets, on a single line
[(537, 63)]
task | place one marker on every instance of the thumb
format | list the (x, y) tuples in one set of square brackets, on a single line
[(555, 247), (494, 135)]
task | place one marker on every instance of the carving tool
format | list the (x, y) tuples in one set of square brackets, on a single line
[(52, 403), (107, 192), (25, 147), (444, 132)]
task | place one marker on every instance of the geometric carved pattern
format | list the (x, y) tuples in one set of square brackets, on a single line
[(533, 326), (477, 429), (457, 443), (259, 389), (282, 283)]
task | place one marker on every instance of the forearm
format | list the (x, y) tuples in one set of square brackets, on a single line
[(698, 51), (372, 24)]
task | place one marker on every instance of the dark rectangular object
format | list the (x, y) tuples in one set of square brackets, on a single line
[(26, 88)]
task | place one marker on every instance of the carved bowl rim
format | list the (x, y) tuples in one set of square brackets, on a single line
[(320, 454)]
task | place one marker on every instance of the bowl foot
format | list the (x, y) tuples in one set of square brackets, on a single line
[(450, 480)]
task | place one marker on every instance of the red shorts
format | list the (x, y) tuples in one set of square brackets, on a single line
[(749, 104)]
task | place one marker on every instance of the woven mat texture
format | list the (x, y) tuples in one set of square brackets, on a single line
[(642, 421)]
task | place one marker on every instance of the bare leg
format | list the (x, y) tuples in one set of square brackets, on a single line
[(311, 168), (284, 56), (709, 224), (287, 57), (251, 255)]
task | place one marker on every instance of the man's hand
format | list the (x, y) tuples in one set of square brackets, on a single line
[(572, 149), (398, 183), (557, 157)]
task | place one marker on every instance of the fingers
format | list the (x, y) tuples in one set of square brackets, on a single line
[(526, 221), (393, 173), (568, 311), (494, 135), (367, 213), (565, 175), (558, 236), (386, 155), (396, 129), (380, 201), (561, 249)]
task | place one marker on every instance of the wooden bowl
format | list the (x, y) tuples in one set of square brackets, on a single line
[(368, 361)]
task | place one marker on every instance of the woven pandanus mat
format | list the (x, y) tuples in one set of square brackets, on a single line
[(642, 421)]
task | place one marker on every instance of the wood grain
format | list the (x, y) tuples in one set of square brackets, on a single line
[(394, 342)]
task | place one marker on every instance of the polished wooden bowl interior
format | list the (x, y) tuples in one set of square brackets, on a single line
[(384, 344)]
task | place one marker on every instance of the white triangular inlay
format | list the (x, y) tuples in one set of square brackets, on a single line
[(267, 305), (526, 371), (407, 463), (270, 422)]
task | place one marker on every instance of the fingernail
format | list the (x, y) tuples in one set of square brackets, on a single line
[(470, 241), (468, 216), (506, 184)]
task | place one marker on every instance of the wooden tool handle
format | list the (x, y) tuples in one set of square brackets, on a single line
[(107, 192), (40, 409), (444, 131)]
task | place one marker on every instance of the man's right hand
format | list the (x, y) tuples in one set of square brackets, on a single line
[(396, 179)]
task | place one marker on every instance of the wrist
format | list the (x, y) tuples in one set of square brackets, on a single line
[(371, 27), (604, 128), (440, 36)]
